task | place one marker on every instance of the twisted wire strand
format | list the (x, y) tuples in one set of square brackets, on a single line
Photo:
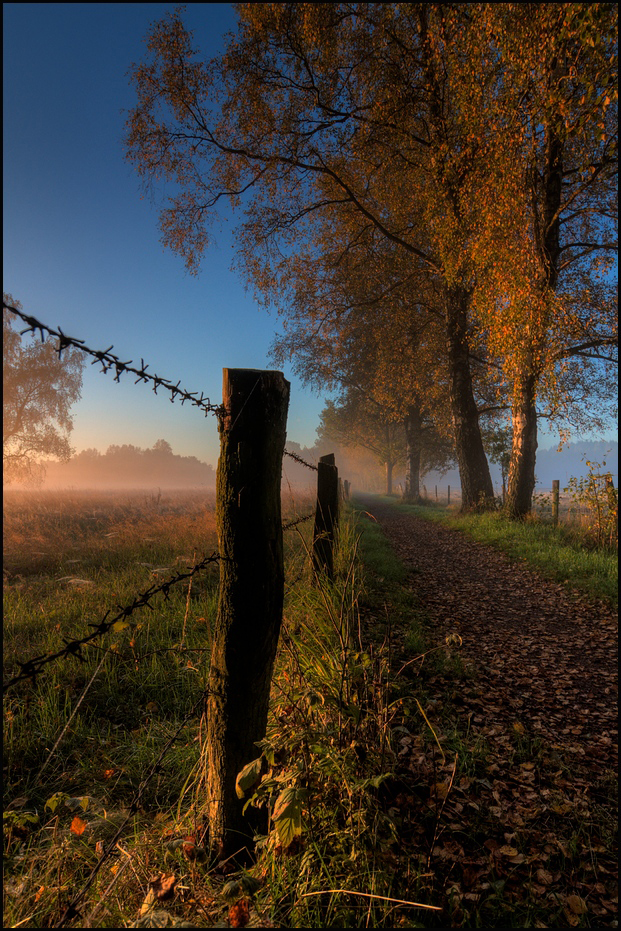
[(32, 667), (110, 361)]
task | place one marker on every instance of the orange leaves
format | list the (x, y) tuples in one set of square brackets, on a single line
[(77, 826)]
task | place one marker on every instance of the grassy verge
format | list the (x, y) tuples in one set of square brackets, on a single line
[(561, 553)]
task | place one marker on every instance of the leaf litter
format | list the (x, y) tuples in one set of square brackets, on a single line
[(523, 820)]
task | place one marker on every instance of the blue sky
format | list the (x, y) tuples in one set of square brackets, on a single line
[(81, 246), (82, 249)]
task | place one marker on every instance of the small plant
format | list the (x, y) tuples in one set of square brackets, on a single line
[(542, 505), (597, 493)]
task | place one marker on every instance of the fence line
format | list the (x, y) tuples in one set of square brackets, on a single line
[(32, 667), (244, 516), (109, 361)]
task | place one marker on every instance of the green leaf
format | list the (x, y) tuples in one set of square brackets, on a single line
[(249, 777), (287, 814), (79, 803), (119, 625), (56, 800), (236, 888)]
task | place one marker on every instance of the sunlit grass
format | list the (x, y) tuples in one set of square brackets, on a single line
[(564, 553)]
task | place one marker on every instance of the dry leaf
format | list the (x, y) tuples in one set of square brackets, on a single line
[(77, 826), (508, 851), (163, 887), (577, 905), (239, 914)]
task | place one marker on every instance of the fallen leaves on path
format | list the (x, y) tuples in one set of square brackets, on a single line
[(526, 816)]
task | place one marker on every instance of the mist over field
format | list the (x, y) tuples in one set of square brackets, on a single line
[(129, 467)]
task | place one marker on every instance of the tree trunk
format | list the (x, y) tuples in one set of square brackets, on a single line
[(477, 490), (252, 436), (389, 468), (524, 451), (412, 424), (547, 243)]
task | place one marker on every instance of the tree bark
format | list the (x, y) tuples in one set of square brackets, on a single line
[(252, 436), (524, 414), (389, 468), (524, 451), (477, 490), (413, 424)]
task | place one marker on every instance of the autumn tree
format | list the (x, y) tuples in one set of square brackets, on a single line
[(39, 388), (357, 421), (497, 441), (359, 323), (317, 109), (546, 247)]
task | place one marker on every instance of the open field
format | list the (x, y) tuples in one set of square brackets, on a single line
[(116, 742)]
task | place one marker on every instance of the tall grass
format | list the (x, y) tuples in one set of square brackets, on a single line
[(79, 741)]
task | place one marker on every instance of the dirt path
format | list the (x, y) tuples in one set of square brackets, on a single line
[(545, 660)]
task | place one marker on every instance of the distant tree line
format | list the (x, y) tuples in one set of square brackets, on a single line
[(129, 466)]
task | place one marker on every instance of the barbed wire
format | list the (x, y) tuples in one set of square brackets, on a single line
[(299, 459), (110, 361), (32, 667), (298, 520)]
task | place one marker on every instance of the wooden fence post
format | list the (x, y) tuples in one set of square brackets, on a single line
[(449, 495), (248, 513), (555, 496), (326, 515)]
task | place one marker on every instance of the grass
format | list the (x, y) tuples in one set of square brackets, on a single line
[(367, 747), (564, 554)]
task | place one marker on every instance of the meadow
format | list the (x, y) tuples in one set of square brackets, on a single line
[(114, 740), (81, 741)]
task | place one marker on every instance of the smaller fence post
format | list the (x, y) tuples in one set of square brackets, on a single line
[(436, 492), (346, 487), (555, 496), (449, 495), (326, 515)]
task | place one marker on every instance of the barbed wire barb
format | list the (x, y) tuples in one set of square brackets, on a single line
[(299, 459), (31, 668), (108, 361)]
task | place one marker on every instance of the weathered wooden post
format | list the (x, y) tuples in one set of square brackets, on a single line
[(346, 489), (326, 515), (436, 492), (252, 439), (555, 497), (449, 495)]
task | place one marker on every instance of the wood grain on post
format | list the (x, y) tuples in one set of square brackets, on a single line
[(326, 515), (248, 514)]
